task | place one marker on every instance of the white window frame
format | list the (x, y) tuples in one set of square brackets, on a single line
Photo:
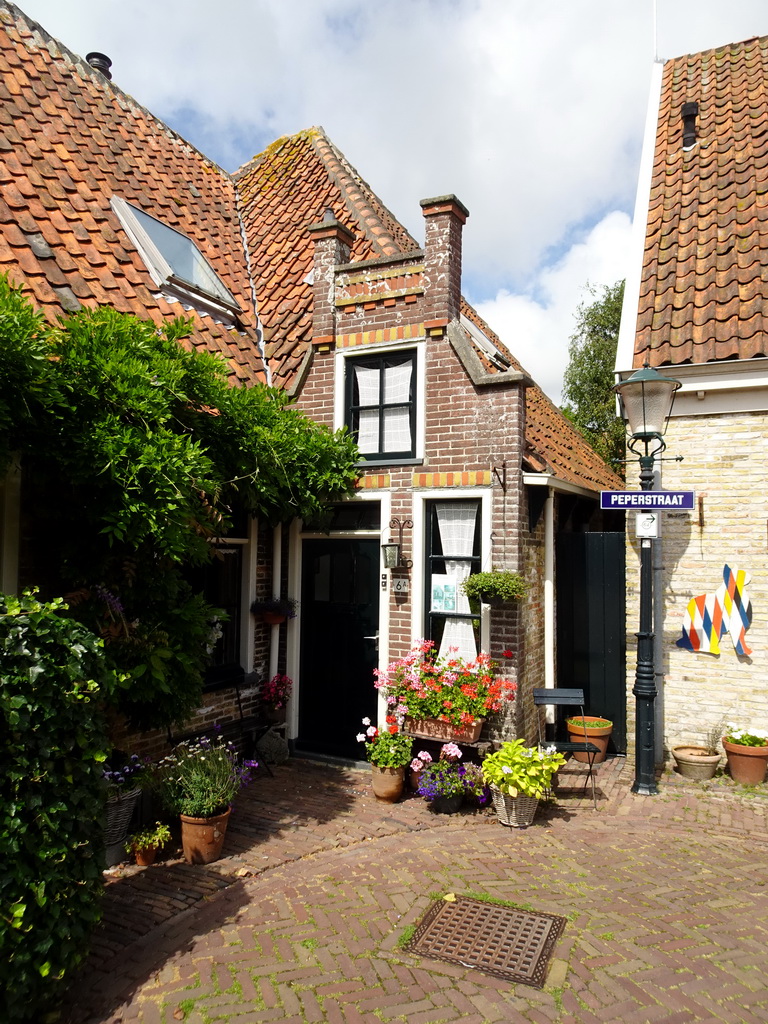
[(419, 391)]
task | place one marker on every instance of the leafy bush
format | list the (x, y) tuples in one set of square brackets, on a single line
[(51, 800), (136, 453)]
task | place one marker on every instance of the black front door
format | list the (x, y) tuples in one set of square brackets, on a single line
[(339, 625)]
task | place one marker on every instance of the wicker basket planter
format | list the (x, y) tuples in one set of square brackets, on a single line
[(119, 813), (516, 811)]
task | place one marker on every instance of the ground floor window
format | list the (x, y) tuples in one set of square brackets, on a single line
[(453, 552)]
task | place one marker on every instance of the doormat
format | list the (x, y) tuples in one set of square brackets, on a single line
[(508, 943)]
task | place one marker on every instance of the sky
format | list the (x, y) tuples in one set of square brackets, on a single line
[(531, 111)]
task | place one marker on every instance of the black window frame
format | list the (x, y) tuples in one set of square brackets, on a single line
[(434, 554), (352, 406)]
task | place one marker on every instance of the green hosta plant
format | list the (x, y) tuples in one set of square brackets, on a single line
[(518, 770)]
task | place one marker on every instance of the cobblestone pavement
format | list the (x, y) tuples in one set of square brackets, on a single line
[(666, 901)]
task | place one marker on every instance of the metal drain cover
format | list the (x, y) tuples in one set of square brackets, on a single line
[(511, 944)]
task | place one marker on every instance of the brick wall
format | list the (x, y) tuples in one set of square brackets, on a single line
[(724, 462)]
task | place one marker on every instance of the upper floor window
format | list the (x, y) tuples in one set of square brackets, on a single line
[(381, 406), (175, 262)]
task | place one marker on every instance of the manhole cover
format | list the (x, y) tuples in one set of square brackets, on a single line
[(511, 944)]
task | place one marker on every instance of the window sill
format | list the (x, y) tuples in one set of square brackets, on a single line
[(378, 463)]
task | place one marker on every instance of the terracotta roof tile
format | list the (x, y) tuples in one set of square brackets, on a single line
[(71, 141), (704, 283)]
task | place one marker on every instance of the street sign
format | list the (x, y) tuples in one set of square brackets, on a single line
[(661, 501), (647, 524)]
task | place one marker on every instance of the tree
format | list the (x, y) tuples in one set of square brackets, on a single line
[(588, 379), (136, 453)]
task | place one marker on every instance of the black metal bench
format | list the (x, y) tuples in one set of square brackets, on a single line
[(562, 697)]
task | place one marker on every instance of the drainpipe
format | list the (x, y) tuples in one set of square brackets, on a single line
[(549, 589), (277, 572)]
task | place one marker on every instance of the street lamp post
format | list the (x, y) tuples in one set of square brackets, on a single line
[(647, 399)]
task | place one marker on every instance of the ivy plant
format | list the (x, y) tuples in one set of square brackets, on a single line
[(51, 799), (136, 453)]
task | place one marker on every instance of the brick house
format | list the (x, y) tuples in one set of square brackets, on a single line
[(695, 309), (317, 289)]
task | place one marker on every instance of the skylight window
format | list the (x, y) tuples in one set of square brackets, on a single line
[(175, 262)]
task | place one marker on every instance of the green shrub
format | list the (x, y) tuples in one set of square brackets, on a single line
[(51, 800)]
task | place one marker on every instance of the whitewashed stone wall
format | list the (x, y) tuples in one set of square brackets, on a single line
[(726, 463)]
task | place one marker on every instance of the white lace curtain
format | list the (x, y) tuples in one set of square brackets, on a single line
[(456, 522), (394, 383)]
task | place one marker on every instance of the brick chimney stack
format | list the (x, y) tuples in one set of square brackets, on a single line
[(445, 217), (333, 244)]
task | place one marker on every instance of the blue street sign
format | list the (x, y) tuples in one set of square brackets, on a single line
[(663, 501)]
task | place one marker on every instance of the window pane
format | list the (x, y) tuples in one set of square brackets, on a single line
[(184, 258), (397, 430), (368, 431), (367, 384), (397, 384)]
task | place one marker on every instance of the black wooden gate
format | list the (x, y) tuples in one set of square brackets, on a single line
[(591, 624)]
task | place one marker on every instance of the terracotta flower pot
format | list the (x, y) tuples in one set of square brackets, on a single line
[(746, 764), (597, 735), (695, 762), (203, 838), (146, 856), (434, 729), (273, 618), (388, 783)]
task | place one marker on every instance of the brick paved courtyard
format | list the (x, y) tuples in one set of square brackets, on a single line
[(666, 901)]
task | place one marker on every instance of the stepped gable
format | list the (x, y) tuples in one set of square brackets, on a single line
[(283, 191), (71, 140), (704, 282)]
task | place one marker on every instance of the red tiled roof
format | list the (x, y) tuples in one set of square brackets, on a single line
[(704, 283), (70, 140)]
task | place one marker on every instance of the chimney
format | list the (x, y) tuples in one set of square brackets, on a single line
[(100, 62), (445, 217), (689, 112), (333, 244)]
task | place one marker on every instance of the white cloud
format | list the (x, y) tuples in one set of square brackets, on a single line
[(532, 113), (538, 327)]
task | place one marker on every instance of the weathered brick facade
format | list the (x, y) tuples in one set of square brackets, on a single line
[(724, 464)]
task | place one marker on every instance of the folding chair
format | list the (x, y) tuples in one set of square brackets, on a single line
[(557, 697)]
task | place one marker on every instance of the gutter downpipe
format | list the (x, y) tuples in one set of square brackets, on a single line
[(657, 571), (277, 572), (549, 593)]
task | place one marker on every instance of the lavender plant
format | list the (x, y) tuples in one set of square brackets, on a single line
[(201, 778)]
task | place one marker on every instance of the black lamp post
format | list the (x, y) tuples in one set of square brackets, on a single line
[(647, 399)]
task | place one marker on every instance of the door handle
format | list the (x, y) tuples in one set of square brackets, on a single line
[(375, 639)]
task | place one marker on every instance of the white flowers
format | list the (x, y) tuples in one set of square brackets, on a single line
[(366, 721), (361, 737)]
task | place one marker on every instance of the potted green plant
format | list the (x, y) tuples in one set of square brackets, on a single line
[(444, 698), (145, 844), (519, 776), (596, 729), (747, 754), (198, 781), (495, 588), (388, 750), (275, 610)]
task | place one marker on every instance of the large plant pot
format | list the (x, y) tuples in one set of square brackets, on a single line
[(746, 764), (434, 729), (203, 838), (388, 783), (695, 762), (447, 804), (597, 735), (515, 811)]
